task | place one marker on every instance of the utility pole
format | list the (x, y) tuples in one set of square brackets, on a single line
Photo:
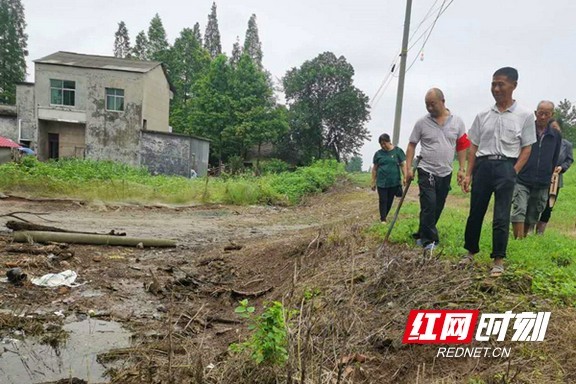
[(403, 54)]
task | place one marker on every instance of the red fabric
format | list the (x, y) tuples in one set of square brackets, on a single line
[(462, 143), (4, 142)]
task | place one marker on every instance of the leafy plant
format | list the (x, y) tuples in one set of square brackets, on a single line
[(273, 166), (269, 339), (109, 181)]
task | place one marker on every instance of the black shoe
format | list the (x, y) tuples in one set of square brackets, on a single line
[(415, 236)]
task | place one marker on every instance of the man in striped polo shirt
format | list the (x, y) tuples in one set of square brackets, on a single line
[(502, 138)]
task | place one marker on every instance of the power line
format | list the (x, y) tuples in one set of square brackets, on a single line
[(387, 80), (442, 10)]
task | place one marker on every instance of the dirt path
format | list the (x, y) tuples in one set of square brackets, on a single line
[(196, 226), (138, 286), (180, 302)]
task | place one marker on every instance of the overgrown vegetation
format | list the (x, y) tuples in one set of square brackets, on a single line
[(548, 260), (109, 181)]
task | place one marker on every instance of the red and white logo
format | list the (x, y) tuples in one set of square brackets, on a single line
[(440, 326)]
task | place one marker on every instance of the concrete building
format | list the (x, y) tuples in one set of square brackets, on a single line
[(105, 108), (8, 121)]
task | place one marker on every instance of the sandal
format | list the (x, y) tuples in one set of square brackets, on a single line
[(466, 261), (497, 271)]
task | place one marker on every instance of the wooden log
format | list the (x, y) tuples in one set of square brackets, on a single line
[(77, 238), (21, 226)]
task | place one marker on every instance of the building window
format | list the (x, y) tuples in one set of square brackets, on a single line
[(62, 92), (114, 99)]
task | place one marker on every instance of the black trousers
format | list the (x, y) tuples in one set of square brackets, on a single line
[(385, 199), (490, 177), (433, 193), (545, 216)]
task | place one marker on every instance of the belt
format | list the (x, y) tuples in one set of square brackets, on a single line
[(496, 157)]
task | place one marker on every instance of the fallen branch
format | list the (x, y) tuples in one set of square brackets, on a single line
[(232, 247), (14, 215), (250, 294), (77, 238), (28, 226), (214, 319)]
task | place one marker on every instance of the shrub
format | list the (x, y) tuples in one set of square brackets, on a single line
[(268, 344), (273, 166)]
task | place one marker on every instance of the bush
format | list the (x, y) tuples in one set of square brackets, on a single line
[(273, 166), (268, 344)]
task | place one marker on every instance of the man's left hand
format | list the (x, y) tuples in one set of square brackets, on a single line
[(460, 176)]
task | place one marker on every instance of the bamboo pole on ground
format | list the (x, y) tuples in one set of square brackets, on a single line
[(78, 238)]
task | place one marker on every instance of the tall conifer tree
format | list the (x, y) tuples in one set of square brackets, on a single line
[(13, 52), (236, 52), (212, 36), (157, 41), (122, 41), (252, 45), (196, 32), (140, 50)]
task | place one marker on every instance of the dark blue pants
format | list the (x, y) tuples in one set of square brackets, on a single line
[(490, 177), (433, 193), (385, 199)]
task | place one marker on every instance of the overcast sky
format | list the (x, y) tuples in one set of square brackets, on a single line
[(469, 42)]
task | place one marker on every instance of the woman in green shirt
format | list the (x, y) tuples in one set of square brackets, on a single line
[(388, 163)]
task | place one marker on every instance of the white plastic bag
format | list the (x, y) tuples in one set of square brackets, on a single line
[(51, 280)]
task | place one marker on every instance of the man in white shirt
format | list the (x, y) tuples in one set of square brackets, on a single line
[(501, 138)]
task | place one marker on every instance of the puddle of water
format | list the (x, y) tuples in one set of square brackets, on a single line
[(26, 361)]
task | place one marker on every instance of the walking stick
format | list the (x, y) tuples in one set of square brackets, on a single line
[(406, 187), (404, 193), (553, 189)]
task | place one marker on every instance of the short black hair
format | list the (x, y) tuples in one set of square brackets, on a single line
[(384, 138), (555, 120), (509, 72)]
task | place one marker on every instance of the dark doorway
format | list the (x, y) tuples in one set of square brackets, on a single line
[(53, 145)]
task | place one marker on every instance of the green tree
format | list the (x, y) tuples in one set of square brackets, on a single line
[(565, 112), (187, 62), (354, 164), (196, 32), (157, 42), (13, 52), (122, 41), (236, 53), (330, 111), (212, 35), (140, 50), (252, 45), (256, 118), (211, 113)]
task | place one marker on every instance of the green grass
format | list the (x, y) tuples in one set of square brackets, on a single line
[(361, 179), (109, 181), (549, 259)]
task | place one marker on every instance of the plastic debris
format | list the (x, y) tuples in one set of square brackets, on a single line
[(51, 280)]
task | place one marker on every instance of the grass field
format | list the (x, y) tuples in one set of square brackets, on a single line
[(108, 181), (549, 259)]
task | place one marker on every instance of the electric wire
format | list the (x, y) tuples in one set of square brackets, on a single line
[(388, 79), (442, 10)]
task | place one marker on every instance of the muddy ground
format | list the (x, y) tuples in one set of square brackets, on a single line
[(178, 303)]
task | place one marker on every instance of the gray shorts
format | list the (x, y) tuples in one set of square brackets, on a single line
[(528, 203)]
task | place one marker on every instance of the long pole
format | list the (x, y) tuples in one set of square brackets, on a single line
[(403, 54)]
